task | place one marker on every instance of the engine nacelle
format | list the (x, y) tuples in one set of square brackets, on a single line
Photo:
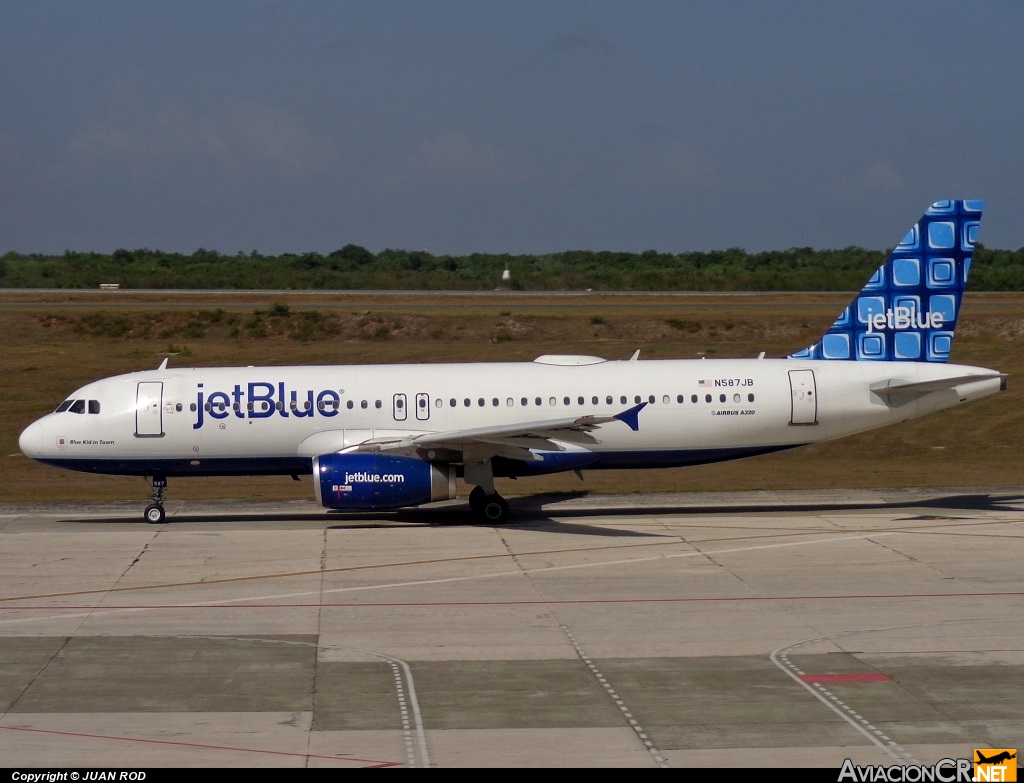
[(376, 481)]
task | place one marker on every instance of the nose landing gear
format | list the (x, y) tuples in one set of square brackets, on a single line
[(154, 513)]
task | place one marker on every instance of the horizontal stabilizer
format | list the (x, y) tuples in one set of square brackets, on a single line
[(897, 388)]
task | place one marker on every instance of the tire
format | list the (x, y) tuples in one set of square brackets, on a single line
[(495, 510), (477, 496), (154, 514)]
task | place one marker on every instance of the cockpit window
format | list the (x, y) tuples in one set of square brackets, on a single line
[(79, 406)]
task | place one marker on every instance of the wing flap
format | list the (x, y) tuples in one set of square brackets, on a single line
[(513, 441)]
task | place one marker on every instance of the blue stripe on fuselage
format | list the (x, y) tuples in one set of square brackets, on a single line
[(553, 462)]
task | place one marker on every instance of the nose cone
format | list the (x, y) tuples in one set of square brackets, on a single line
[(31, 440)]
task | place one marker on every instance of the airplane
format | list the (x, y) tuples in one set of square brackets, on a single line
[(388, 436), (996, 759)]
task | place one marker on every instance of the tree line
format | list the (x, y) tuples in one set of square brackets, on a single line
[(355, 268)]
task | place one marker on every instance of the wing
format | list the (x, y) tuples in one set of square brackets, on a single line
[(513, 441)]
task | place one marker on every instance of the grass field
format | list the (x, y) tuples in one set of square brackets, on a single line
[(56, 341)]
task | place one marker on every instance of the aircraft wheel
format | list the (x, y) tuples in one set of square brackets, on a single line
[(154, 514), (477, 496), (495, 510)]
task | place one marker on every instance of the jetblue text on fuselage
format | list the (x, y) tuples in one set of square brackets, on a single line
[(262, 400), (904, 318)]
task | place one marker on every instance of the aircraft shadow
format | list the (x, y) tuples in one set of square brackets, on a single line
[(948, 503), (542, 511)]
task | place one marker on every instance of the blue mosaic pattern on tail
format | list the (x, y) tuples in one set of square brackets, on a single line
[(907, 311)]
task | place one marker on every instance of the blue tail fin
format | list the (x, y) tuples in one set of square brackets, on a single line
[(907, 311)]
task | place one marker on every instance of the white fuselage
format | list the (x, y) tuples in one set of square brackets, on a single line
[(263, 420)]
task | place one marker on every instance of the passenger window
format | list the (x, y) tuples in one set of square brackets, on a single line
[(750, 398), (451, 402), (399, 403), (721, 398), (552, 401), (636, 399), (466, 402), (192, 407), (651, 399), (94, 406), (680, 398), (480, 402), (608, 400), (622, 399), (176, 407), (494, 402), (524, 401), (693, 398), (735, 398), (510, 402), (362, 404), (581, 400), (376, 404), (593, 400), (707, 398), (566, 401), (538, 401), (350, 405)]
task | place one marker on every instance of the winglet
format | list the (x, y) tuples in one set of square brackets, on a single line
[(631, 417)]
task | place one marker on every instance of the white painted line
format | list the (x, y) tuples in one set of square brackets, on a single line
[(633, 724)]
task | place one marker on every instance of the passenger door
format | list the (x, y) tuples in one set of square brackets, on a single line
[(149, 410), (804, 397)]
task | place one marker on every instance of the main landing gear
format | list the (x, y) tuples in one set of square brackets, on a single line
[(491, 508), (154, 513), (486, 503)]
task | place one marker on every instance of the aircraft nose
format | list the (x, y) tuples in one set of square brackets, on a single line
[(31, 440)]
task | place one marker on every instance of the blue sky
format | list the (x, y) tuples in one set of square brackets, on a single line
[(493, 127)]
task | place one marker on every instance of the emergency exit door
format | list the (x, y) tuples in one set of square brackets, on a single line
[(422, 406)]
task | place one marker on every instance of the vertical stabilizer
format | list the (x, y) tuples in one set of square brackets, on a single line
[(908, 310)]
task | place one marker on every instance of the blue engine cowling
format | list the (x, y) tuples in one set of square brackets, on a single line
[(375, 481)]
